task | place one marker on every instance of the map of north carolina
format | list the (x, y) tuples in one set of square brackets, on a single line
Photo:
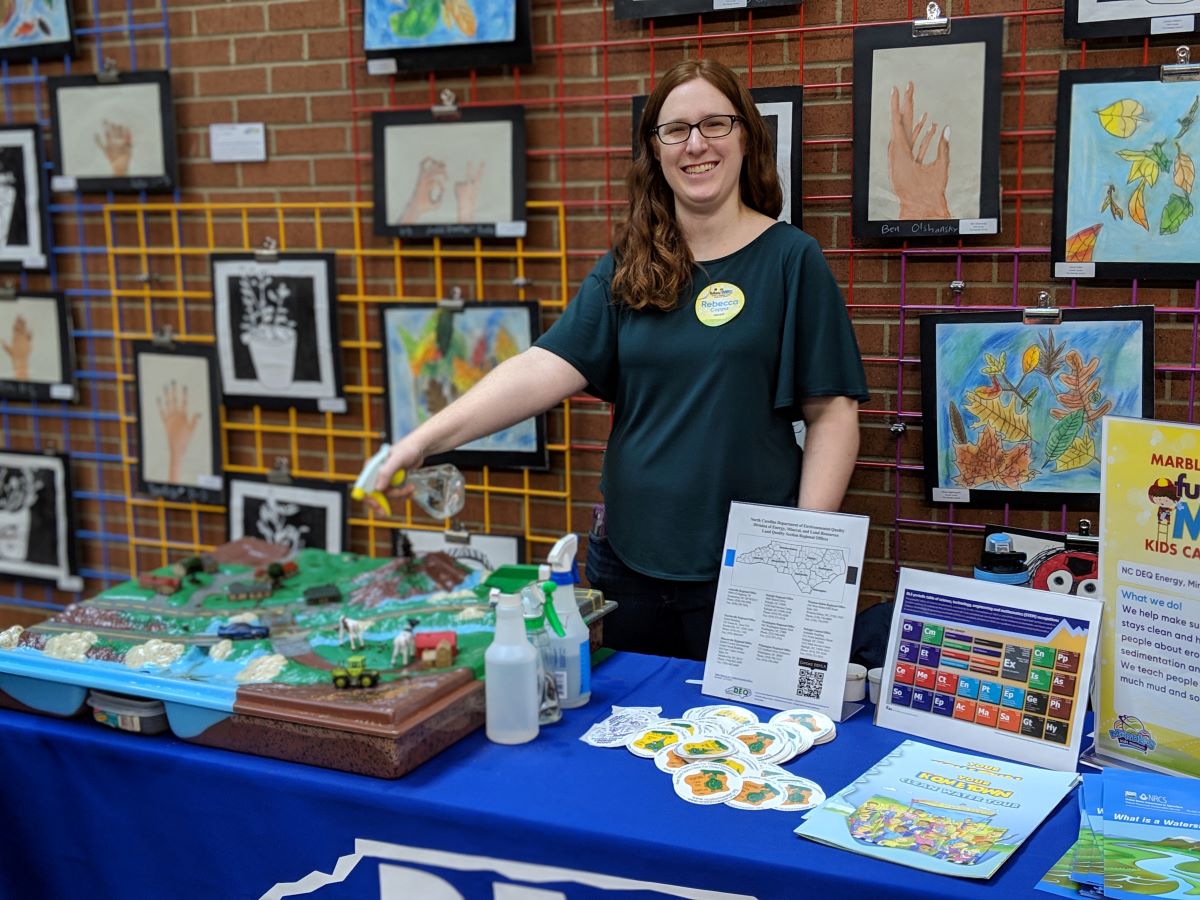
[(807, 566)]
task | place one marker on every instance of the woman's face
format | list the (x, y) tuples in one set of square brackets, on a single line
[(704, 173)]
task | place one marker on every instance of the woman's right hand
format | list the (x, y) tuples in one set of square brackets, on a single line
[(405, 454)]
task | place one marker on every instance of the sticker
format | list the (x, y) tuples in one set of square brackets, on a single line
[(765, 743), (817, 723), (647, 742), (616, 729), (667, 760), (799, 794), (801, 738), (743, 765), (686, 724), (729, 718), (758, 793), (705, 747), (706, 783), (719, 303)]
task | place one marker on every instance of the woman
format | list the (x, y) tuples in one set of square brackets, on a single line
[(711, 328)]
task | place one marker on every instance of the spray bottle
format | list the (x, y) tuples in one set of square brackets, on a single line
[(572, 651), (511, 688), (537, 613)]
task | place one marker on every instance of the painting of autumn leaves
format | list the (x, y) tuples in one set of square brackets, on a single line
[(1012, 411), (1126, 174)]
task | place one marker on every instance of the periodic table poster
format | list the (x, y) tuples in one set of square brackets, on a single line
[(992, 667)]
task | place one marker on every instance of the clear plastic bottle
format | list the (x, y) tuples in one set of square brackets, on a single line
[(549, 710), (440, 490), (511, 689), (572, 652)]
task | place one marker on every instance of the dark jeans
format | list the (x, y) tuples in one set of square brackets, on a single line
[(653, 615)]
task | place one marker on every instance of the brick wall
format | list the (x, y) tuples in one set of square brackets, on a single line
[(297, 67)]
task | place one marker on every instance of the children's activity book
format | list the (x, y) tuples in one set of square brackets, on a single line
[(938, 810), (1151, 835)]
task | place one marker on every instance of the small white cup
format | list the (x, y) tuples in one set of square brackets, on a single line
[(873, 678), (856, 683)]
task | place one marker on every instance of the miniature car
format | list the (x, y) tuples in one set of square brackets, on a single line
[(243, 631), (355, 674)]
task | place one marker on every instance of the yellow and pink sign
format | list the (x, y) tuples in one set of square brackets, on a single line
[(1149, 671)]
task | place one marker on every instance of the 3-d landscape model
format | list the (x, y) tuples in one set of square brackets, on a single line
[(337, 660)]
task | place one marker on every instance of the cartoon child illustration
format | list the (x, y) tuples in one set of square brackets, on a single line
[(1164, 495)]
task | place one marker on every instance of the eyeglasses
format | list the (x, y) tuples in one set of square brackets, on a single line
[(710, 127)]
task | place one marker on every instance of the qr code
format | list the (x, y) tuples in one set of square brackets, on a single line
[(811, 679)]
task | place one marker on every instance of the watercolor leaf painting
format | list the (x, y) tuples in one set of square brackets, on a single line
[(1132, 173), (1019, 406), (399, 24)]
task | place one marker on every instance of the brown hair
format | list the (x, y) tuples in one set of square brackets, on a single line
[(653, 261), (1162, 488)]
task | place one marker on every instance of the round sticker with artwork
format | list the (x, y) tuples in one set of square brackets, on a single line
[(719, 303)]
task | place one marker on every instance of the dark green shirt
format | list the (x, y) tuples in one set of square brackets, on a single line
[(703, 414)]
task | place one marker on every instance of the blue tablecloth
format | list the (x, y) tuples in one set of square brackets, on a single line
[(89, 811)]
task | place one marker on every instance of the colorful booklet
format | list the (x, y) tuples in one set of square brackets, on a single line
[(1151, 835), (939, 810)]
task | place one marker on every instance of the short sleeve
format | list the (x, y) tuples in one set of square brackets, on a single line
[(819, 354), (586, 334)]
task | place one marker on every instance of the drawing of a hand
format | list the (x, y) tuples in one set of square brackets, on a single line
[(920, 186), (20, 347), (172, 409), (428, 192), (466, 193), (117, 146)]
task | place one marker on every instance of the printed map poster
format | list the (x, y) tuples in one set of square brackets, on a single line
[(786, 599), (1151, 835), (1149, 675), (992, 667)]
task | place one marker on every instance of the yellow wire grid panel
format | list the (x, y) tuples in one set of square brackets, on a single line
[(158, 265)]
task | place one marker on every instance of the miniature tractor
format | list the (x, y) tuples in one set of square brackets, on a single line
[(355, 674)]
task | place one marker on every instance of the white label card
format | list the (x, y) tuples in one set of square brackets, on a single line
[(730, 4), (63, 183), (210, 482), (952, 495), (62, 392), (238, 142), (70, 583), (332, 404), (978, 226), (1172, 24), (510, 229), (37, 261), (385, 66), (1074, 270)]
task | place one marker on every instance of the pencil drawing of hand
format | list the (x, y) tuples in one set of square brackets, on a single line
[(920, 186), (20, 347), (117, 146), (466, 192), (172, 409), (428, 192)]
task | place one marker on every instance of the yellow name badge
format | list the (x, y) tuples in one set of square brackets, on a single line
[(719, 303)]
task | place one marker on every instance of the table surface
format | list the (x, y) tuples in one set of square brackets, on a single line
[(132, 815)]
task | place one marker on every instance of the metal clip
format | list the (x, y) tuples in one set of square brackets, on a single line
[(933, 24), (280, 472), (8, 291), (457, 533), (448, 108), (522, 282), (1181, 70), (109, 73), (145, 277), (454, 302), (897, 428), (1045, 313), (49, 447), (164, 337), (957, 287), (1085, 527), (268, 252)]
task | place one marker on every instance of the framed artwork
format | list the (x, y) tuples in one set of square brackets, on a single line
[(114, 136), (37, 359), (36, 29), (783, 110), (179, 446), (434, 354), (24, 219), (1012, 410), (442, 178), (277, 334), (927, 130), (1118, 18), (467, 34), (482, 552), (37, 529), (298, 514), (1124, 173), (653, 9)]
